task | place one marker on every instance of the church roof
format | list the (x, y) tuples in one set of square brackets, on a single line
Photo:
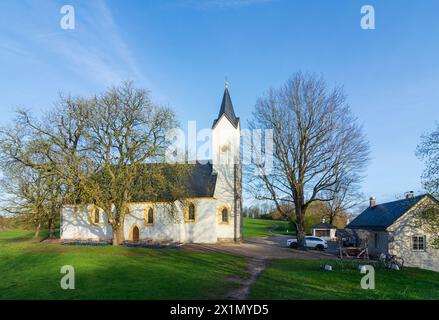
[(159, 182), (198, 180), (227, 110)]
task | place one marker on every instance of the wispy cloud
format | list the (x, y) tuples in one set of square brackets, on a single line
[(109, 29), (95, 51)]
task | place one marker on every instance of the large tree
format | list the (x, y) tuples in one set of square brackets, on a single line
[(125, 131), (317, 144), (98, 147)]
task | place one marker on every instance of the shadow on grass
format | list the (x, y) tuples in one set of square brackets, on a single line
[(32, 271)]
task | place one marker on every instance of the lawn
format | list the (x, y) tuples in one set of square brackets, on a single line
[(30, 270), (303, 279), (262, 227)]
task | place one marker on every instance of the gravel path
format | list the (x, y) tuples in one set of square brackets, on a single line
[(259, 252)]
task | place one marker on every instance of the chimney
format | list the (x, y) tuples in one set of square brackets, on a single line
[(372, 202), (410, 195)]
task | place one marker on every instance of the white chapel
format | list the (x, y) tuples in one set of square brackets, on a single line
[(211, 213)]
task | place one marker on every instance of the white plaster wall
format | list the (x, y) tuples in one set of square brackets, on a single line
[(225, 231), (76, 224), (332, 234), (224, 134), (168, 225), (226, 153)]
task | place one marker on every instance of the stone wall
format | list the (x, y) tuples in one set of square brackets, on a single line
[(401, 243)]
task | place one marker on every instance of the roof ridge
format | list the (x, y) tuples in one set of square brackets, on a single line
[(404, 199)]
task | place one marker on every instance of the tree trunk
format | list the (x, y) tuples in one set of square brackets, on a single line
[(37, 230), (301, 230), (331, 218), (50, 228), (118, 236), (300, 219)]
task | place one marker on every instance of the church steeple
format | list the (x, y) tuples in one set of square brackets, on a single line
[(227, 109)]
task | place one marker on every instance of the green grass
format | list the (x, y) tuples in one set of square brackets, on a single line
[(303, 279), (262, 227), (30, 270)]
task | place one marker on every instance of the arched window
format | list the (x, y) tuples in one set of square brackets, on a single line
[(150, 217), (191, 212), (225, 215), (97, 218)]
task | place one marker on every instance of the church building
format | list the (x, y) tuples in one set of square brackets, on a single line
[(210, 214)]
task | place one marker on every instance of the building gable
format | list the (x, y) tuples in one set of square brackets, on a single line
[(381, 216)]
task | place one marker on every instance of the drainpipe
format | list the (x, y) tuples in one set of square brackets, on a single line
[(237, 203), (235, 206)]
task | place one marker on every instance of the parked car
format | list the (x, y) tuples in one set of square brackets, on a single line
[(310, 242)]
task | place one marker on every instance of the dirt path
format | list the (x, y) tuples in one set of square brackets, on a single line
[(259, 252), (255, 267)]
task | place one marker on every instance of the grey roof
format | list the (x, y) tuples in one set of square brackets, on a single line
[(198, 180), (201, 180), (227, 110), (383, 215), (323, 225)]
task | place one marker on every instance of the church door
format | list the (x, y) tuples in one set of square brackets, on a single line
[(136, 233)]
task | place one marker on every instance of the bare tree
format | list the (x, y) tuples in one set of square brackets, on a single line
[(34, 195), (428, 216), (317, 144), (344, 197), (40, 162)]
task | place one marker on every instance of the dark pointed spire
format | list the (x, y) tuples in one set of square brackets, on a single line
[(227, 109)]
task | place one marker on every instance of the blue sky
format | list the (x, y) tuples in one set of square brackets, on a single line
[(182, 51)]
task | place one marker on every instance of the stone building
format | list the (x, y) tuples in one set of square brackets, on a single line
[(391, 228)]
